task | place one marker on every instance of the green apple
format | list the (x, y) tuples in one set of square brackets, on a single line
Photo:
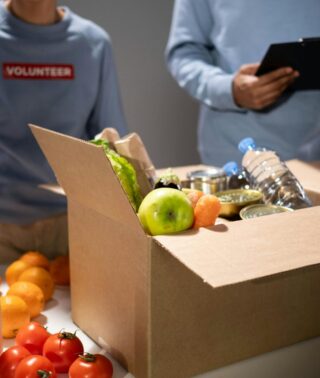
[(165, 211)]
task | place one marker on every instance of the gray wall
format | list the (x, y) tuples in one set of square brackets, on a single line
[(156, 108)]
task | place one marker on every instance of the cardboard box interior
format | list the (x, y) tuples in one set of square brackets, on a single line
[(178, 305)]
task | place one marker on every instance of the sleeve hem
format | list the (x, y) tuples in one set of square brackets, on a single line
[(221, 94)]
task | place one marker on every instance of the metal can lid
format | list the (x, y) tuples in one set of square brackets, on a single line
[(206, 174), (260, 210), (239, 196)]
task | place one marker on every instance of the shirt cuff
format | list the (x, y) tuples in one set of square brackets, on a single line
[(220, 94)]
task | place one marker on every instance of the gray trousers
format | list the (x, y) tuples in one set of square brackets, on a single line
[(48, 236)]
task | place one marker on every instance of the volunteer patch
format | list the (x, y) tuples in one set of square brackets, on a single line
[(37, 71)]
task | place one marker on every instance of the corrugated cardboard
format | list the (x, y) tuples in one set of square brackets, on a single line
[(176, 306)]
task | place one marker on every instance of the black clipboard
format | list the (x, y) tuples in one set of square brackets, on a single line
[(303, 56)]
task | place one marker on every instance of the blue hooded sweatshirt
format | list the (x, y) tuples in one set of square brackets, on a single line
[(208, 43), (61, 77)]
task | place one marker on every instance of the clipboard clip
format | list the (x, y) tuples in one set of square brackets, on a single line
[(303, 41)]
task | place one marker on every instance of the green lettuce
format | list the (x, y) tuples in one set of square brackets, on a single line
[(125, 172)]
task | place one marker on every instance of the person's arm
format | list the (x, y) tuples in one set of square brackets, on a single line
[(190, 61), (189, 56), (252, 92), (108, 111)]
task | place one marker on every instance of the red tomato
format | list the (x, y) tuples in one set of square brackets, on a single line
[(62, 349), (32, 336), (35, 366), (91, 366), (10, 359)]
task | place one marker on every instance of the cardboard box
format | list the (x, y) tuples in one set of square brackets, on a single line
[(176, 306)]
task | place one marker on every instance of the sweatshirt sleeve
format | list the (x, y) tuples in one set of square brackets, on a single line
[(189, 56), (108, 110)]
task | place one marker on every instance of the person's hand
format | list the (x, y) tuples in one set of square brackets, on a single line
[(252, 92)]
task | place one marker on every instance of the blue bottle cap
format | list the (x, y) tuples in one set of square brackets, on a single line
[(231, 168), (246, 144)]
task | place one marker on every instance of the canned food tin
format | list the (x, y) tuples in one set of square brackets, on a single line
[(232, 201), (208, 181), (260, 210)]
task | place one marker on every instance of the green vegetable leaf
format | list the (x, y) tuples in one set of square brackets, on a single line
[(125, 172)]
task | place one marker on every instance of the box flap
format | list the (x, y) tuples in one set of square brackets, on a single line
[(249, 249), (109, 267), (86, 175), (307, 173), (195, 328)]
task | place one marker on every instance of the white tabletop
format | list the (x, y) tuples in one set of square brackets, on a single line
[(297, 361)]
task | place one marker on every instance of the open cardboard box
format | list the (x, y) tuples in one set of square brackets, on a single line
[(176, 306)]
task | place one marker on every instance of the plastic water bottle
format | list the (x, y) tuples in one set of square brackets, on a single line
[(237, 178), (271, 176)]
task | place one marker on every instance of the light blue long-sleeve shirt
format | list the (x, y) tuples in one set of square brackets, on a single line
[(61, 77), (210, 40)]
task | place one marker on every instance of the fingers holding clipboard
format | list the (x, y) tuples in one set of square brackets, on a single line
[(302, 56)]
